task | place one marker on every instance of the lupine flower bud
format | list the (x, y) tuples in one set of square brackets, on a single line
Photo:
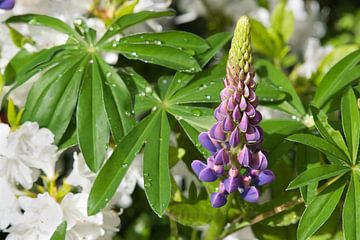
[(7, 4), (234, 140)]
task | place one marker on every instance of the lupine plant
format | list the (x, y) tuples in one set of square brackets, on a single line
[(177, 98)]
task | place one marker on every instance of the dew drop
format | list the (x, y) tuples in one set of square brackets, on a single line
[(134, 54), (146, 174), (154, 109), (111, 29), (91, 61), (124, 165), (207, 97), (127, 113), (142, 94), (148, 89), (179, 118), (196, 112), (157, 42), (108, 74), (147, 185), (164, 81)]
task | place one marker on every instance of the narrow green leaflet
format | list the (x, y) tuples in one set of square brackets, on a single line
[(18, 39), (320, 209), (92, 123), (111, 174), (156, 166), (282, 20), (351, 211), (60, 232), (338, 77), (47, 21), (156, 54), (131, 19), (198, 214), (318, 143), (331, 135), (261, 39), (268, 92), (317, 174), (266, 70), (176, 39), (350, 117)]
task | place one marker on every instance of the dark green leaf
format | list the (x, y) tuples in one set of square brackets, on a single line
[(156, 166), (47, 21), (320, 209), (338, 77), (198, 214), (318, 143), (176, 39), (60, 232), (92, 123), (350, 117), (317, 174), (110, 176), (131, 19), (351, 211), (161, 55), (331, 135)]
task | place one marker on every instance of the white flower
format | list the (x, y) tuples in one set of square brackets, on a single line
[(111, 224), (9, 206), (41, 217), (314, 54), (79, 224)]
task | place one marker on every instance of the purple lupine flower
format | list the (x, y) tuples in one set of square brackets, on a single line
[(7, 4), (234, 140)]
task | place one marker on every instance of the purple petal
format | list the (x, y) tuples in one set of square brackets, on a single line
[(198, 166), (218, 115), (246, 91), (251, 194), (232, 184), (207, 175), (228, 124), (244, 156), (222, 157), (223, 107), (237, 96), (206, 142), (231, 104), (250, 111), (252, 135), (256, 119), (265, 177), (219, 169), (210, 162), (236, 114), (217, 132), (244, 123), (252, 96), (226, 93), (217, 200), (7, 4), (234, 138), (243, 104)]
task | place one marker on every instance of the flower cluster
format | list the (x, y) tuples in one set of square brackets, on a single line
[(234, 140)]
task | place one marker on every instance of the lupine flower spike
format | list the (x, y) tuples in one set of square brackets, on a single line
[(234, 140)]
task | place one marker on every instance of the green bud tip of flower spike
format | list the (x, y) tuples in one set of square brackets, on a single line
[(240, 56)]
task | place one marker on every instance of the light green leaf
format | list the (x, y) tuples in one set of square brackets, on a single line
[(198, 214), (60, 232), (317, 174), (282, 20), (47, 21), (18, 39), (268, 92), (351, 211), (91, 118), (337, 78), (156, 166), (331, 135), (177, 39), (350, 117), (111, 174), (131, 19), (320, 209), (318, 143), (261, 39), (161, 55)]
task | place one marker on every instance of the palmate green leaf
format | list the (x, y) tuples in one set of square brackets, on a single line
[(338, 77), (47, 21), (197, 214), (156, 54), (52, 100), (282, 20), (117, 101), (351, 211), (331, 135), (318, 143), (111, 174), (91, 118), (131, 19), (156, 166), (320, 209), (350, 117), (60, 232), (180, 80), (267, 71), (205, 86), (317, 174), (176, 39)]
